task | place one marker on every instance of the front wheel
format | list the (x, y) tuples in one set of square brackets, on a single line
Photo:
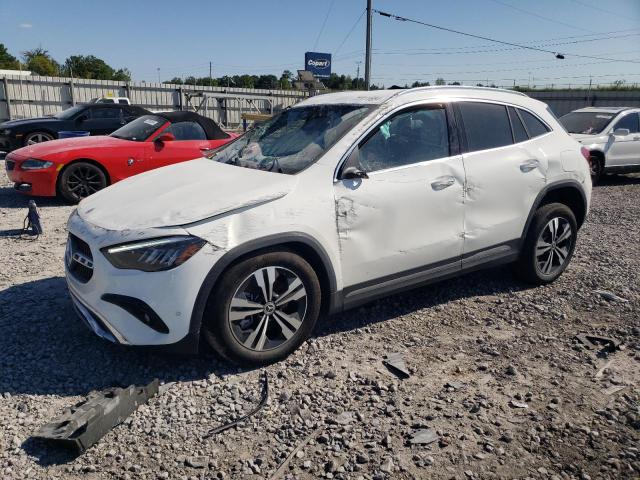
[(79, 180), (263, 308), (37, 137), (549, 244)]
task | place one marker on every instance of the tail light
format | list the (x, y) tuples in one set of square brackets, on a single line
[(585, 153)]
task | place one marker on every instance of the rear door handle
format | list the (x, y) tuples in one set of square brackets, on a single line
[(442, 182), (529, 165)]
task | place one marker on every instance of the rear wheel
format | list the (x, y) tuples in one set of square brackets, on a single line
[(79, 180), (263, 308), (549, 244), (595, 168), (37, 137)]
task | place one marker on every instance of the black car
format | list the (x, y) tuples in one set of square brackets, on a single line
[(97, 119)]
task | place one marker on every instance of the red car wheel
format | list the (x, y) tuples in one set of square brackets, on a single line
[(79, 180)]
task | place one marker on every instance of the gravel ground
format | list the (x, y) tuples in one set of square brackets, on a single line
[(498, 382)]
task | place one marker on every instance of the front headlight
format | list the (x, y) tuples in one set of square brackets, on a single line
[(154, 255), (34, 164)]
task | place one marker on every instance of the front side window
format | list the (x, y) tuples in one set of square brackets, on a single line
[(408, 137), (629, 121), (106, 113), (70, 112), (140, 129), (294, 139), (486, 125), (186, 131), (587, 123)]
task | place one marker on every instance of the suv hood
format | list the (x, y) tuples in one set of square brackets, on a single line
[(584, 138), (181, 194)]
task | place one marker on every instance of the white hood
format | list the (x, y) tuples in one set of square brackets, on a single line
[(181, 194)]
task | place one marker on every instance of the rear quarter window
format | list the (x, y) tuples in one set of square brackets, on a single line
[(535, 127)]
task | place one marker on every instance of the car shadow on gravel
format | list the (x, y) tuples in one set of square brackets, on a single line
[(618, 180), (9, 198), (493, 281)]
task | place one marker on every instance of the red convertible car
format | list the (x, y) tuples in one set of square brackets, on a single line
[(75, 168)]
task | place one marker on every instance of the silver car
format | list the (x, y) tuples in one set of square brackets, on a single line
[(612, 135)]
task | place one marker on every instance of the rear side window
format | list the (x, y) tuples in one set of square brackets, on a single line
[(486, 125), (519, 133), (534, 126)]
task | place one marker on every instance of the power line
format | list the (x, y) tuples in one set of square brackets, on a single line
[(526, 47), (593, 7), (349, 33), (324, 22), (533, 14)]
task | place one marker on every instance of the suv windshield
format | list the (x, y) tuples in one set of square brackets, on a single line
[(69, 112), (588, 123), (140, 129), (294, 139)]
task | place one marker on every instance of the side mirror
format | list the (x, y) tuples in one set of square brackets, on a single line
[(621, 132), (165, 137), (352, 168), (351, 173)]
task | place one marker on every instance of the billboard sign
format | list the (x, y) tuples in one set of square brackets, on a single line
[(318, 63)]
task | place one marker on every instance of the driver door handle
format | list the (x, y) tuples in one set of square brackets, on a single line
[(529, 165), (442, 182)]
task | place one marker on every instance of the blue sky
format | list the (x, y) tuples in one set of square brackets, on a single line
[(254, 36)]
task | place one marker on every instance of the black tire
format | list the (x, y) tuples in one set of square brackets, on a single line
[(528, 267), (79, 180), (224, 338), (596, 167), (37, 137)]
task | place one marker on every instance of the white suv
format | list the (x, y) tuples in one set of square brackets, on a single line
[(612, 136), (338, 200)]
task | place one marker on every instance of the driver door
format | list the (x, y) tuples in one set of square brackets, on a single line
[(403, 223)]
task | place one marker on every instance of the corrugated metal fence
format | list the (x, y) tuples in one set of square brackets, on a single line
[(36, 96)]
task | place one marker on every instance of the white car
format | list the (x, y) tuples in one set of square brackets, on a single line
[(118, 100), (612, 136), (339, 200)]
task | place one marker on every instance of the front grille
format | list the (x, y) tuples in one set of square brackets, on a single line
[(79, 259), (10, 164)]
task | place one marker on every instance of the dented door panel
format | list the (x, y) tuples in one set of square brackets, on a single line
[(502, 184), (400, 219)]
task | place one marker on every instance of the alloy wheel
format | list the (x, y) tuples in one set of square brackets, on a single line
[(268, 308), (83, 181), (38, 138), (553, 246)]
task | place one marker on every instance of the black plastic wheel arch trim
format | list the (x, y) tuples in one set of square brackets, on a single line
[(139, 309)]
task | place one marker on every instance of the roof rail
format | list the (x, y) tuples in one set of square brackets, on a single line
[(462, 87)]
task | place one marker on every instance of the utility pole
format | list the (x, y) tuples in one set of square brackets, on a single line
[(367, 62), (159, 75), (358, 76), (210, 77)]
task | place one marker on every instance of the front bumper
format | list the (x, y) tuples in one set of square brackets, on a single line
[(41, 183), (170, 294)]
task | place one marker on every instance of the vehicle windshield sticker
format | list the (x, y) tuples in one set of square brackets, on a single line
[(151, 122), (604, 116)]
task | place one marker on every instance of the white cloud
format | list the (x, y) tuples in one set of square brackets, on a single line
[(25, 25)]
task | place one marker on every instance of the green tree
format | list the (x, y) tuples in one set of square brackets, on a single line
[(122, 75), (88, 66), (286, 80), (8, 61), (40, 62), (440, 81)]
